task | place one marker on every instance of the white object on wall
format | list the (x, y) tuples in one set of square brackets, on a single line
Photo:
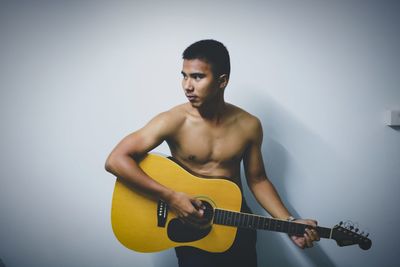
[(392, 117)]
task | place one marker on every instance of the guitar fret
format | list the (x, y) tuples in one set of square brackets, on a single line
[(292, 228), (262, 226), (272, 225), (266, 223), (297, 229), (217, 216), (279, 226), (221, 216), (260, 223), (229, 218), (225, 217), (285, 226)]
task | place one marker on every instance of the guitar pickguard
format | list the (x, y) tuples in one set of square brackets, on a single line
[(184, 232)]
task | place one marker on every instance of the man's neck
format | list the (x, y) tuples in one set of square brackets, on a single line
[(214, 111)]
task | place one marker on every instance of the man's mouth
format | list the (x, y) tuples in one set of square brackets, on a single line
[(191, 97)]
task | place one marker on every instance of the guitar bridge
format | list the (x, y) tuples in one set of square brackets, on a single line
[(162, 213)]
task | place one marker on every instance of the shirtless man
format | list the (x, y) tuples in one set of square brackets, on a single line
[(209, 137)]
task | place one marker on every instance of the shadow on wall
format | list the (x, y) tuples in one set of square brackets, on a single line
[(2, 264), (396, 128), (166, 258), (272, 248)]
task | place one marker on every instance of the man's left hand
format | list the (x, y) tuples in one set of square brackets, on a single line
[(309, 237)]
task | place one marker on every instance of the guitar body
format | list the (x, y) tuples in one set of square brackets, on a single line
[(134, 215)]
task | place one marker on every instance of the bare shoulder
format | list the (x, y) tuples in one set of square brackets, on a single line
[(175, 114), (172, 118), (245, 118), (164, 124), (179, 110), (247, 121)]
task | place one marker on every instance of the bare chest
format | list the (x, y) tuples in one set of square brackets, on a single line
[(219, 147)]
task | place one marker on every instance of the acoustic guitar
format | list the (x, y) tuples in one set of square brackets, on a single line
[(144, 224)]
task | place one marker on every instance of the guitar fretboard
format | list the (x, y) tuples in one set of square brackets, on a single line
[(251, 221)]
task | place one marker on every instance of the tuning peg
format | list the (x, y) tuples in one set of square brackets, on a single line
[(351, 225), (340, 223), (367, 235), (356, 230)]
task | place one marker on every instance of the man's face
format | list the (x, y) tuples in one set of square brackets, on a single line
[(199, 83)]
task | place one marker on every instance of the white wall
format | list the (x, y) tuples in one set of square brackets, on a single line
[(76, 77)]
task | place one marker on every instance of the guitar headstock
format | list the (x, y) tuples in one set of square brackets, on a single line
[(347, 234)]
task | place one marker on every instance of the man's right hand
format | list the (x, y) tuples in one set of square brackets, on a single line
[(188, 209)]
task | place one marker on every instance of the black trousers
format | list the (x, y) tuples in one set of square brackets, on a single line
[(241, 253)]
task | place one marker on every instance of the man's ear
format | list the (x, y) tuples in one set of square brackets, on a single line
[(223, 81)]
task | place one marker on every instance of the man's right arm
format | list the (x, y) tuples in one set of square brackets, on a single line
[(121, 162)]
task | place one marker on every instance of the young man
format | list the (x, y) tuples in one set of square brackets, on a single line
[(210, 137)]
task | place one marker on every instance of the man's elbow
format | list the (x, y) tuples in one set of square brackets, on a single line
[(110, 164)]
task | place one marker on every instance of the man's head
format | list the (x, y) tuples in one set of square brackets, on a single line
[(205, 71), (213, 53)]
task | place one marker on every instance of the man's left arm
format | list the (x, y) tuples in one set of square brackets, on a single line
[(265, 192)]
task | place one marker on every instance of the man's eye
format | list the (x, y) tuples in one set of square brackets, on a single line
[(197, 78)]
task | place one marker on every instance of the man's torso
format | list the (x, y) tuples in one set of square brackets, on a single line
[(209, 148)]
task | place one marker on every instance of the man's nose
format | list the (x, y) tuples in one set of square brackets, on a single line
[(187, 85)]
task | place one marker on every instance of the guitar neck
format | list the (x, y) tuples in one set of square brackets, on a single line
[(251, 221)]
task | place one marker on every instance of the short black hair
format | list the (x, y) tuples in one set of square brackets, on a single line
[(211, 51)]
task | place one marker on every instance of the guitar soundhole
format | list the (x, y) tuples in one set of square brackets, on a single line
[(179, 231)]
